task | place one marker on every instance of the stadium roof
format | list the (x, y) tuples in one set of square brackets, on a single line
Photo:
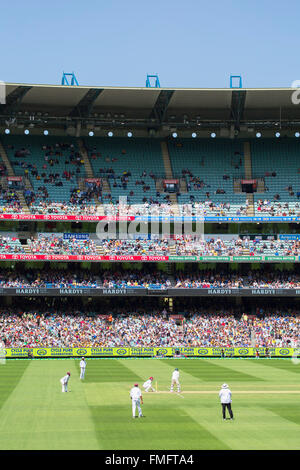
[(154, 107)]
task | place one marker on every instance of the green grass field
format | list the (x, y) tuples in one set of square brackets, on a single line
[(96, 414)]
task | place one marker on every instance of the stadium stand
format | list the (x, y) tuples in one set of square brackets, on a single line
[(55, 243), (54, 172), (204, 328), (151, 279), (277, 162), (209, 169), (52, 166), (129, 167), (61, 175)]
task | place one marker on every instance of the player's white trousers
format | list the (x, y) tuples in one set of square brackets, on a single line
[(149, 388), (174, 381), (136, 404), (82, 372), (64, 388)]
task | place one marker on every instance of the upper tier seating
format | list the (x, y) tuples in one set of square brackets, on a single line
[(209, 165), (40, 157), (134, 160), (278, 162)]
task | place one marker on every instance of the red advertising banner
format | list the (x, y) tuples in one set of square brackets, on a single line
[(170, 181), (248, 181), (92, 180), (27, 257), (62, 217), (14, 178)]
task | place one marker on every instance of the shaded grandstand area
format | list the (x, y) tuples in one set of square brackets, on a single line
[(150, 276), (76, 169), (210, 246), (54, 175)]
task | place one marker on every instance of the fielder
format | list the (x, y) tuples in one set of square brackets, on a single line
[(148, 385), (64, 382), (82, 367), (175, 380), (137, 400), (225, 397)]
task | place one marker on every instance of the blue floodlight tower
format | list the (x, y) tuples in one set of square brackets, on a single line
[(239, 77), (156, 82), (65, 81)]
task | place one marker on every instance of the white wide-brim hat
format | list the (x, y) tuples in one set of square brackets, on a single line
[(224, 386)]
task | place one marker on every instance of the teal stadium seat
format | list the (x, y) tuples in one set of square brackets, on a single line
[(141, 155), (34, 144), (209, 160), (281, 156)]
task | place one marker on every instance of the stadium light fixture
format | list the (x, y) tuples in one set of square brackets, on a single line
[(194, 135), (110, 134), (213, 135), (91, 133), (26, 132), (277, 134), (258, 135), (297, 134), (174, 135), (46, 132), (7, 131), (129, 134)]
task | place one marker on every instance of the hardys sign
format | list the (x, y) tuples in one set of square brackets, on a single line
[(143, 291)]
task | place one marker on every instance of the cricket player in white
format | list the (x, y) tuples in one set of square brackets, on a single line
[(137, 400), (175, 380), (64, 382), (225, 398), (148, 385), (82, 367)]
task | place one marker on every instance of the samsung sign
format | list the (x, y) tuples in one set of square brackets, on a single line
[(78, 236)]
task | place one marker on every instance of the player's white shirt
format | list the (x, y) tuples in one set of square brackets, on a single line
[(135, 393), (175, 375), (64, 380), (147, 384), (225, 395), (82, 364)]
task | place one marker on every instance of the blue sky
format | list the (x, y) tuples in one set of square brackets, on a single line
[(189, 43)]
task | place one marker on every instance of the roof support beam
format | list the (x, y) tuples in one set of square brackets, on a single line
[(159, 109), (238, 99), (14, 99), (85, 105)]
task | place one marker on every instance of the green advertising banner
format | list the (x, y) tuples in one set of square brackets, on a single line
[(252, 259), (150, 352), (282, 258)]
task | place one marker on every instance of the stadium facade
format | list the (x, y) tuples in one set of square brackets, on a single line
[(224, 160)]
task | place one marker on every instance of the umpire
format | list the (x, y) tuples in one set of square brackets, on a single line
[(225, 397)]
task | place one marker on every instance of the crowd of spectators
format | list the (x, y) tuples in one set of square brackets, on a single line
[(201, 328), (9, 201), (53, 244), (135, 278), (209, 208), (62, 162), (278, 209), (48, 278), (187, 245), (65, 208), (10, 245), (195, 246)]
